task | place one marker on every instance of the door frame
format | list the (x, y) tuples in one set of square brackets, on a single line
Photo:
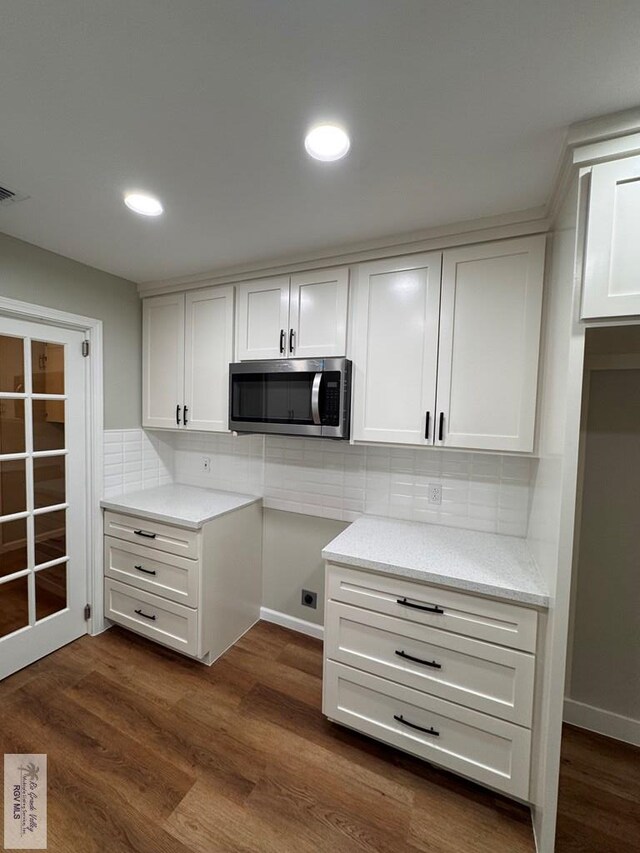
[(94, 429)]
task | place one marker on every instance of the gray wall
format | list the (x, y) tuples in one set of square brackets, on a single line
[(291, 561), (605, 671), (44, 278)]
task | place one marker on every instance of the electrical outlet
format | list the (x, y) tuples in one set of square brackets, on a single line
[(309, 599), (206, 464), (435, 493)]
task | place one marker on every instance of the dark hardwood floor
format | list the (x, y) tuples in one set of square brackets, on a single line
[(151, 752)]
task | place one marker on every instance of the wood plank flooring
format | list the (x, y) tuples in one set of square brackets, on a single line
[(149, 751)]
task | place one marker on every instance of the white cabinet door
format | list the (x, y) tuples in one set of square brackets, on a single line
[(396, 307), (318, 314), (489, 344), (163, 360), (208, 351), (612, 258), (263, 318)]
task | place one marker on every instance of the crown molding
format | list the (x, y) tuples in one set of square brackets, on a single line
[(593, 141), (517, 224)]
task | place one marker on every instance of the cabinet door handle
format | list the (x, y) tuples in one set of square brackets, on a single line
[(283, 341), (404, 722), (404, 655), (145, 534), (146, 571), (441, 427), (178, 415), (405, 603), (292, 338), (146, 615), (426, 425), (184, 415)]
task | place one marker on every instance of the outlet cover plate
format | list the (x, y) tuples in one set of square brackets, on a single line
[(435, 493), (309, 599)]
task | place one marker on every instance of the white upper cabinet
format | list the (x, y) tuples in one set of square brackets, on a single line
[(395, 351), (208, 352), (612, 254), (263, 318), (187, 344), (318, 313), (489, 345), (302, 316), (162, 360)]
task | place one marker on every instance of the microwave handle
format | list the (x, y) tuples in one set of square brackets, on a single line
[(315, 399)]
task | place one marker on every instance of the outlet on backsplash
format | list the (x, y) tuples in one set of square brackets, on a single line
[(435, 493), (206, 464)]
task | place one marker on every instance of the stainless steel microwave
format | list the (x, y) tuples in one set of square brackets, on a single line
[(297, 396)]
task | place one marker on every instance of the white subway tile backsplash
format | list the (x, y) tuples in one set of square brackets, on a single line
[(330, 479), (134, 460)]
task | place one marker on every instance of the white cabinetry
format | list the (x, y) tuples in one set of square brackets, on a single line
[(162, 359), (298, 316), (196, 591), (187, 345), (444, 675), (395, 352), (489, 344), (612, 254), (446, 347)]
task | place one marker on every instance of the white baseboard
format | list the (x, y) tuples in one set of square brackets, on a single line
[(295, 624), (602, 722)]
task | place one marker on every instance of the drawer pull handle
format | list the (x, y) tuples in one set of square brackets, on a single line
[(146, 615), (405, 603), (145, 533), (431, 663), (146, 571), (404, 722)]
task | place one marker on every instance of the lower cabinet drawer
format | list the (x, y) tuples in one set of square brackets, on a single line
[(163, 621), (497, 622), (490, 751), (487, 678), (153, 534), (153, 571)]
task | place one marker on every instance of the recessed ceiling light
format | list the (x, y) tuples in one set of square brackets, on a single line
[(146, 205), (327, 142)]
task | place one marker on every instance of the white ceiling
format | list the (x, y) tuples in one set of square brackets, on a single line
[(456, 109)]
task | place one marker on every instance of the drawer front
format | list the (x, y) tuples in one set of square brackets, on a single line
[(171, 577), (153, 534), (164, 621), (469, 615), (473, 673), (492, 752)]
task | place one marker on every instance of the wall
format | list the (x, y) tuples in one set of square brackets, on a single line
[(603, 685), (291, 561), (552, 518), (135, 460), (34, 275)]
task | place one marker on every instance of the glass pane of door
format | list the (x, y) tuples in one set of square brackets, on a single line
[(12, 434), (11, 364), (51, 590), (14, 605)]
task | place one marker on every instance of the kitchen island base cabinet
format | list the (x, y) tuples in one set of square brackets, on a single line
[(401, 665), (198, 602)]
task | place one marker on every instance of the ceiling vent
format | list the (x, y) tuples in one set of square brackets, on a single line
[(8, 196)]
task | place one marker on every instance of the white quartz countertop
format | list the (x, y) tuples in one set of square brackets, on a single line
[(466, 560), (185, 506)]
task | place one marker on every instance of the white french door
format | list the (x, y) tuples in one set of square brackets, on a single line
[(43, 493)]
